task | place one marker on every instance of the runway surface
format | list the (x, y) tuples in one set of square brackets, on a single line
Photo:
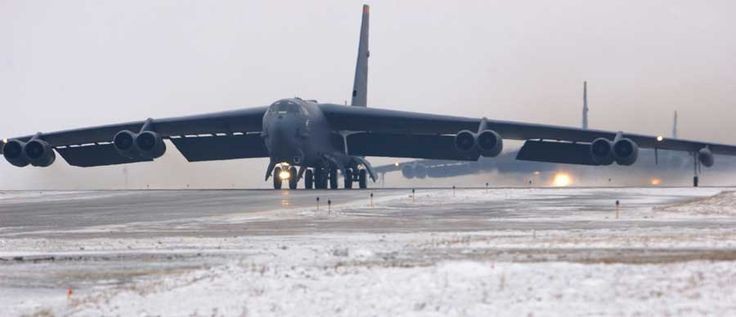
[(263, 252)]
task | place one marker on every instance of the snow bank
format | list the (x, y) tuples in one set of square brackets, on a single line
[(445, 289), (723, 204)]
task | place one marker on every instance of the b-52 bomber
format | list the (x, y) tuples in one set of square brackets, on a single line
[(319, 142)]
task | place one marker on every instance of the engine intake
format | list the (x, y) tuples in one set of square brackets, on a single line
[(489, 143), (705, 156), (14, 154), (601, 150), (39, 153), (625, 151), (408, 171), (124, 143), (145, 145), (420, 171), (465, 141), (150, 145)]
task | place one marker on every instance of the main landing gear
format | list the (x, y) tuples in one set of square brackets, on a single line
[(361, 177), (319, 178)]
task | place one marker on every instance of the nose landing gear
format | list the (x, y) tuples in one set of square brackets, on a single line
[(285, 173), (277, 177)]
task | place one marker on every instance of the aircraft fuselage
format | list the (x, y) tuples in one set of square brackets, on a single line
[(296, 132)]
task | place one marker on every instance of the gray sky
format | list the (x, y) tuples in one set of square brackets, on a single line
[(67, 64)]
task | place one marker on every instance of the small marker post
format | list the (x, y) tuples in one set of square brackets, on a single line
[(371, 200), (453, 190), (413, 193), (617, 207), (69, 293), (317, 203), (486, 188), (329, 206)]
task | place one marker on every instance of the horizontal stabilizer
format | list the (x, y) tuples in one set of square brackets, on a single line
[(215, 148), (556, 152), (94, 155)]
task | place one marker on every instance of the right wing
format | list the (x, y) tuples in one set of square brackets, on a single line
[(382, 132), (214, 136)]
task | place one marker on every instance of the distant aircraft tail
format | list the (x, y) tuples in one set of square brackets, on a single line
[(360, 85), (674, 127), (585, 105)]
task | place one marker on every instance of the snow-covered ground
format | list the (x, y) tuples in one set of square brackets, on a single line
[(554, 252)]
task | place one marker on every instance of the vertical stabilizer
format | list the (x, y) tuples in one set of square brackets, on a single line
[(674, 126), (585, 105), (360, 85)]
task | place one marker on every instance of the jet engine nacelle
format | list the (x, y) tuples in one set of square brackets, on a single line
[(14, 153), (420, 171), (705, 156), (124, 143), (601, 150), (150, 145), (625, 151), (39, 153), (489, 143), (465, 141), (145, 145), (408, 171)]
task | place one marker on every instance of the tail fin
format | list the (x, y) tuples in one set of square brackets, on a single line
[(674, 127), (360, 85), (585, 105)]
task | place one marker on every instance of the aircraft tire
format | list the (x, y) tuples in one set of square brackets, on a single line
[(333, 178), (276, 178), (348, 178), (308, 179), (321, 182), (363, 179), (293, 181)]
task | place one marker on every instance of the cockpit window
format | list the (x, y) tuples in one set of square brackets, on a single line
[(284, 107)]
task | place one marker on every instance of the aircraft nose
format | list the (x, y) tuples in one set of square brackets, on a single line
[(282, 129), (284, 139)]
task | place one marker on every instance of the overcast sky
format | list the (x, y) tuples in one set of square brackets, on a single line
[(68, 64)]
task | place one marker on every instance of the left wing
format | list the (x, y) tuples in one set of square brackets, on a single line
[(382, 123), (212, 136)]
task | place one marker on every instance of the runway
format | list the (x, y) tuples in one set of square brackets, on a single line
[(263, 252)]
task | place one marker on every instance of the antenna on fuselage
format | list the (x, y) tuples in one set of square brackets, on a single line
[(360, 85)]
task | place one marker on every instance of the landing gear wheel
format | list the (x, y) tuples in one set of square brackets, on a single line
[(348, 178), (277, 178), (333, 178), (320, 179), (308, 179), (293, 178), (363, 179)]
